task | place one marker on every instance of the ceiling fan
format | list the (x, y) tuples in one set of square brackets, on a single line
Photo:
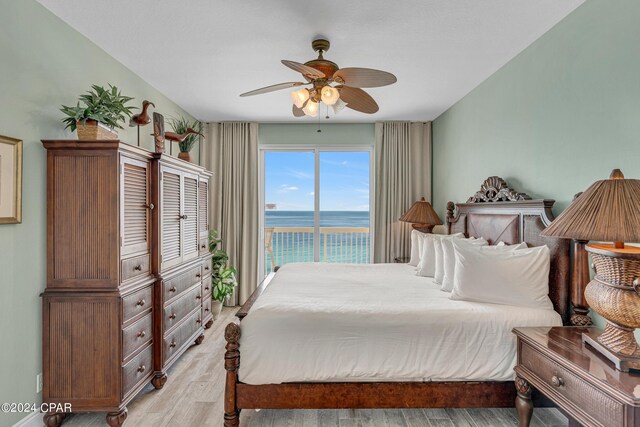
[(331, 85)]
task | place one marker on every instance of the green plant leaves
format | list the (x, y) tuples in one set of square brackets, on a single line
[(107, 106), (223, 277)]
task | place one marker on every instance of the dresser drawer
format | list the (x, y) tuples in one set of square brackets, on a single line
[(206, 268), (566, 384), (206, 286), (177, 310), (136, 266), (180, 283), (136, 336), (206, 308), (136, 303), (137, 370), (180, 336)]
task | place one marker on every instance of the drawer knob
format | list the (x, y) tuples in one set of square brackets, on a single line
[(138, 267), (172, 289), (557, 381), (203, 246), (150, 206), (141, 334), (206, 268), (173, 316), (206, 309), (183, 217), (198, 275), (198, 321), (173, 344), (198, 296), (206, 288), (142, 368), (141, 302)]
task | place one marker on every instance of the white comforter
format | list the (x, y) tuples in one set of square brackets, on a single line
[(377, 322)]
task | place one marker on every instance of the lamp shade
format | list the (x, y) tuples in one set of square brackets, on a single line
[(608, 211), (421, 212)]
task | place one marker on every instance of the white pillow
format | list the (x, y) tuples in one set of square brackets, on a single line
[(426, 266), (438, 272), (415, 251), (449, 259), (503, 247), (518, 277)]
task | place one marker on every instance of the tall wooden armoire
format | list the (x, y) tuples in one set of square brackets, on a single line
[(128, 272)]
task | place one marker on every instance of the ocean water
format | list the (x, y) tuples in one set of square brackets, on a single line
[(340, 246)]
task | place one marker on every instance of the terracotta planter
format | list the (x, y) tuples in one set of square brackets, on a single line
[(185, 156), (216, 308), (93, 130)]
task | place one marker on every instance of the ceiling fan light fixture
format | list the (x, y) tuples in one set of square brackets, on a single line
[(299, 97), (311, 109), (338, 106), (329, 95)]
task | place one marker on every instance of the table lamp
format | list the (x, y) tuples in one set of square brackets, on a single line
[(609, 211), (421, 216)]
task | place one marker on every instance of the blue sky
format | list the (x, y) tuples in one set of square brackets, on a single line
[(344, 180)]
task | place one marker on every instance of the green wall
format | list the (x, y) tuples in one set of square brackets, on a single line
[(43, 63), (559, 116), (307, 133)]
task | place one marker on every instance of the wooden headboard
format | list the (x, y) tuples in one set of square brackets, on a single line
[(498, 213)]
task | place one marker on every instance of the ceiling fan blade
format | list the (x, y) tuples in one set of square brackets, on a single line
[(272, 88), (363, 77), (297, 112), (357, 99), (305, 70)]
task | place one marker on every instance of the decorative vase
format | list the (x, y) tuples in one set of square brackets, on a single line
[(216, 308), (185, 155), (613, 294), (94, 130)]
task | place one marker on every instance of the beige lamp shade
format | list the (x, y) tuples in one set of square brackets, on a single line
[(421, 212), (608, 211)]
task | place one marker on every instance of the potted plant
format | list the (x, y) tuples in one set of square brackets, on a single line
[(223, 277), (187, 133), (99, 116)]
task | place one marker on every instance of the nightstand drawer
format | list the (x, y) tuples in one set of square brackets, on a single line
[(580, 393)]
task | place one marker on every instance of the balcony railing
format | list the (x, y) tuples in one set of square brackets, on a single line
[(295, 244)]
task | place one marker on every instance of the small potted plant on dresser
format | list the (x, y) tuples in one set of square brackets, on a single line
[(186, 133), (223, 276), (102, 113)]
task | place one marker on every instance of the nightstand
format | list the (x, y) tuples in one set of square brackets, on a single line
[(581, 382), (401, 259)]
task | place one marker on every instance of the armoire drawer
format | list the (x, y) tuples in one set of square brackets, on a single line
[(206, 286), (136, 335), (136, 303), (177, 310), (136, 266), (206, 307), (176, 339), (580, 393), (176, 285), (137, 370)]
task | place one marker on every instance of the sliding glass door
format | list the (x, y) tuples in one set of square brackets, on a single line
[(316, 206)]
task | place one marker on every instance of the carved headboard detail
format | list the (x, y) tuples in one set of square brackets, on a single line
[(495, 189), (498, 213)]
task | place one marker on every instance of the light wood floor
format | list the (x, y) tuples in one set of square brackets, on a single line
[(193, 396)]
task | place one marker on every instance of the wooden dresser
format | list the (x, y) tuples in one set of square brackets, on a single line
[(576, 378), (128, 272)]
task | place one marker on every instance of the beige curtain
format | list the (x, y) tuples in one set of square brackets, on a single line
[(231, 153), (402, 176)]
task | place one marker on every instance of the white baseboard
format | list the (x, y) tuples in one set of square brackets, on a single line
[(34, 419)]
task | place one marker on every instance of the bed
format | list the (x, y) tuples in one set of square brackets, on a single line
[(370, 349)]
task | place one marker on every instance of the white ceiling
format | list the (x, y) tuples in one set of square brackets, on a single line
[(203, 53)]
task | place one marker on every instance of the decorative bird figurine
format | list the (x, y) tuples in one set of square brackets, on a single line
[(142, 118), (179, 137)]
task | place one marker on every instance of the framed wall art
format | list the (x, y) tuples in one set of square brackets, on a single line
[(10, 180)]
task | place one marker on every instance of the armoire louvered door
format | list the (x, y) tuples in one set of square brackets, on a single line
[(135, 206), (190, 217), (171, 217), (203, 214)]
